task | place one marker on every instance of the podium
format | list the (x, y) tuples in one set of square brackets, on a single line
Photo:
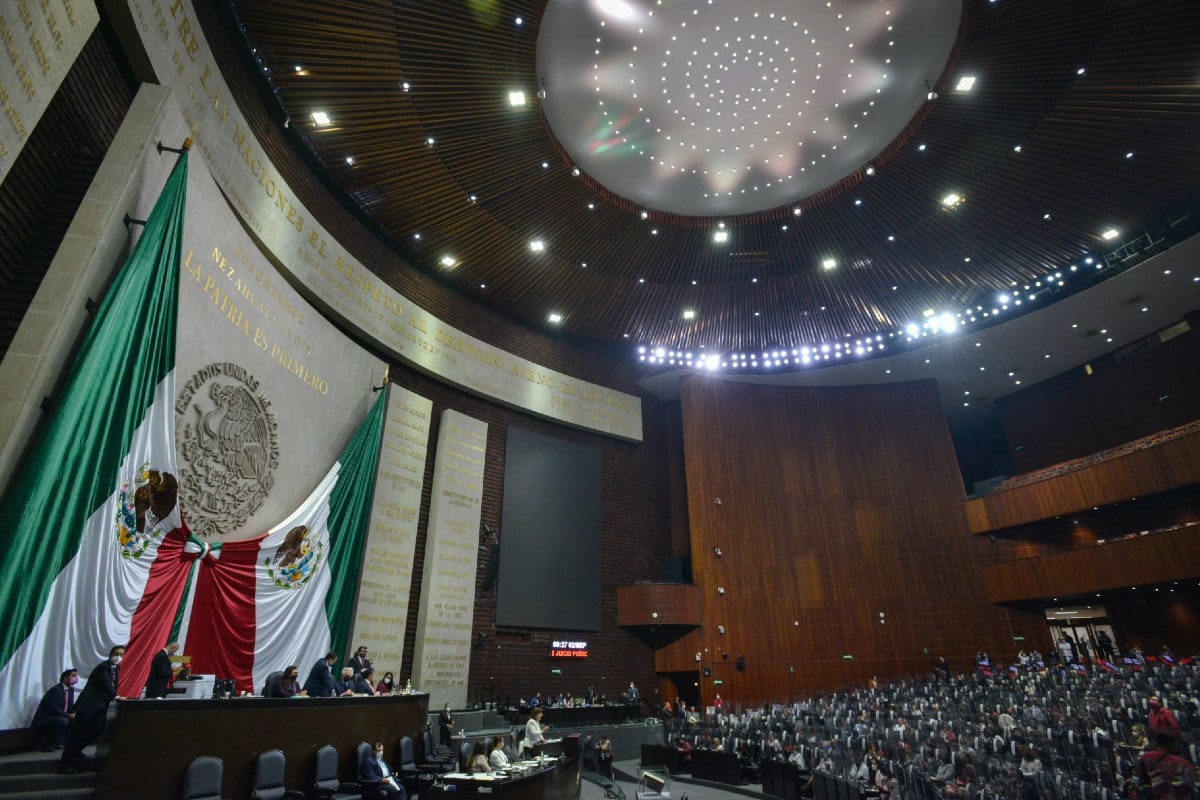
[(653, 784)]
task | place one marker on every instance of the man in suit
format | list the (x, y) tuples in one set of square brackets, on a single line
[(445, 726), (320, 677), (56, 711), (359, 663), (343, 686), (374, 768), (161, 671), (91, 709)]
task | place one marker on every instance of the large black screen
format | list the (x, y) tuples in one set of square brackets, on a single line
[(549, 535)]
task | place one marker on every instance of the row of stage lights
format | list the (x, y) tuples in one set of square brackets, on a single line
[(934, 324)]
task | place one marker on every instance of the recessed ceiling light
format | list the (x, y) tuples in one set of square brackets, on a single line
[(555, 317), (829, 263), (519, 21), (350, 160), (1109, 234), (448, 261), (405, 86), (720, 236), (320, 117), (965, 83), (299, 68), (537, 245), (951, 200), (516, 98), (689, 313)]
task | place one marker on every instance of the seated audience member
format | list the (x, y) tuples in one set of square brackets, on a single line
[(498, 759), (684, 759), (55, 712), (478, 761), (1030, 765), (387, 684), (1162, 721), (374, 768)]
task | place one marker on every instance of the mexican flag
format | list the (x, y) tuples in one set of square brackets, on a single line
[(244, 609), (84, 518)]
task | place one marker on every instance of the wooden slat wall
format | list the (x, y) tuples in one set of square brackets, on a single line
[(836, 505), (1158, 468), (658, 604), (1154, 558)]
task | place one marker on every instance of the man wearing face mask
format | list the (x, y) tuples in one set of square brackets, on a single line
[(374, 768), (56, 711), (91, 709)]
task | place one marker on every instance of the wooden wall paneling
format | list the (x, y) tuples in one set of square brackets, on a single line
[(1157, 468), (1154, 558), (835, 505), (1074, 413)]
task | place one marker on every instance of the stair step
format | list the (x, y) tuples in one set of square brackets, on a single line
[(44, 781)]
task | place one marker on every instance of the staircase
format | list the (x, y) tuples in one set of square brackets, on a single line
[(34, 776)]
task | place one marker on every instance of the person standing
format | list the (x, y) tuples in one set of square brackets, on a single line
[(535, 731), (320, 677), (56, 711), (161, 671), (445, 726), (91, 709), (1162, 721), (359, 662), (633, 694)]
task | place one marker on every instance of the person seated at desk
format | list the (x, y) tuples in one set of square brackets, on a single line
[(55, 712), (387, 684), (364, 682), (498, 758), (535, 731), (374, 768), (288, 684), (478, 761), (343, 684)]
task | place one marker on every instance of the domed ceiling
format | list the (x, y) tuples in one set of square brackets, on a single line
[(821, 180)]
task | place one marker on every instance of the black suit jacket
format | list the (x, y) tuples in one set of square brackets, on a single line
[(358, 664), (101, 689), (160, 675), (320, 680), (53, 702)]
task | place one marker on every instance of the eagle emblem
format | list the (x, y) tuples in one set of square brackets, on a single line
[(141, 508), (296, 560)]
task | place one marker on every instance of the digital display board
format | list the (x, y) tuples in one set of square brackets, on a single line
[(563, 648)]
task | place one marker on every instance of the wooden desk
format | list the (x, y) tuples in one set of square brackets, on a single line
[(559, 781), (153, 741)]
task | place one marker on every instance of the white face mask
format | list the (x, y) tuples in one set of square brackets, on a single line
[(114, 660)]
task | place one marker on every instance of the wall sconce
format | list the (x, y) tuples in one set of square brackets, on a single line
[(721, 629), (717, 500), (717, 552), (697, 656), (721, 590)]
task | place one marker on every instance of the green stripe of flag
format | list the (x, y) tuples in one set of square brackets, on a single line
[(349, 517), (74, 464)]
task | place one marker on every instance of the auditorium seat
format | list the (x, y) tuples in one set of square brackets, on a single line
[(202, 781), (327, 785), (271, 682), (431, 758), (268, 784), (369, 789)]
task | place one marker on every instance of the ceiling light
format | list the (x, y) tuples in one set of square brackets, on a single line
[(1110, 234), (516, 99), (537, 245), (644, 214), (965, 83), (689, 313), (951, 200), (350, 160), (448, 261), (720, 236), (320, 117), (829, 263), (555, 317)]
